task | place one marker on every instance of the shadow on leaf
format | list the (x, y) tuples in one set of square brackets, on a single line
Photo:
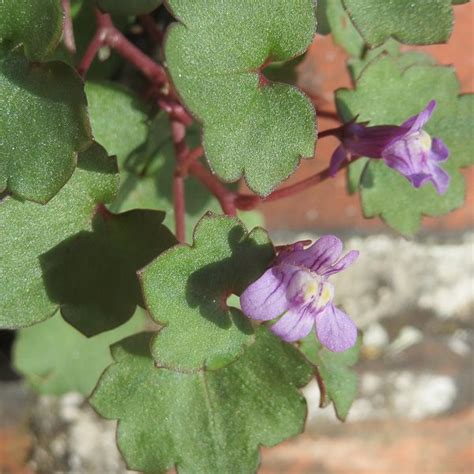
[(209, 287), (92, 275)]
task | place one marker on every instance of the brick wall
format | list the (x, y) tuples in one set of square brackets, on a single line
[(328, 206)]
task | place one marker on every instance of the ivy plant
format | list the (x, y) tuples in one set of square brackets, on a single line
[(134, 263)]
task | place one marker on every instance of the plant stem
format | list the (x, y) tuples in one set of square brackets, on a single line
[(149, 68), (250, 201), (108, 35), (90, 53), (178, 133), (225, 197), (179, 205), (69, 40), (190, 158)]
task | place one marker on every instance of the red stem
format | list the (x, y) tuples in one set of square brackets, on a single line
[(69, 40), (249, 201), (225, 197), (179, 207), (152, 70), (178, 133), (193, 155), (103, 23), (107, 34), (90, 53)]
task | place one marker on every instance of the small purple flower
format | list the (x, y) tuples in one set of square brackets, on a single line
[(297, 287), (407, 148)]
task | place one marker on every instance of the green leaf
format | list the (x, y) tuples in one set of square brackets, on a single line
[(128, 7), (56, 359), (43, 123), (208, 421), (186, 290), (408, 21), (118, 117), (389, 93), (147, 177), (391, 48), (250, 126), (35, 24), (73, 254), (322, 20), (339, 380), (341, 27), (147, 170)]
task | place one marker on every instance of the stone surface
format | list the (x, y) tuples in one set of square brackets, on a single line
[(414, 300), (441, 445)]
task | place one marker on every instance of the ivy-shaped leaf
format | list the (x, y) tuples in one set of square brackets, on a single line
[(43, 123), (388, 93), (128, 7), (186, 289), (408, 21), (56, 359), (215, 56), (340, 382), (208, 421), (35, 24), (73, 254)]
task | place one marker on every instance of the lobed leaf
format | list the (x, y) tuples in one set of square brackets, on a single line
[(410, 22), (186, 290), (208, 421), (44, 125), (387, 92), (73, 254), (56, 359), (251, 127), (36, 24), (339, 380)]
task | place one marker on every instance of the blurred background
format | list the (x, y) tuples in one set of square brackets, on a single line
[(414, 300)]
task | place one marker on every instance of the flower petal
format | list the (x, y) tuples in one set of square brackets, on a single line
[(372, 141), (266, 298), (418, 179), (295, 324), (335, 329), (319, 257), (417, 122), (440, 179), (343, 263), (439, 151), (338, 157)]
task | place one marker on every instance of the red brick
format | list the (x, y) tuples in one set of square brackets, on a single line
[(328, 206), (442, 445)]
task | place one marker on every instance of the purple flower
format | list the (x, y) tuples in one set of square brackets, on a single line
[(407, 148), (297, 287)]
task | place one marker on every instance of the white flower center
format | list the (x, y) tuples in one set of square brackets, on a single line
[(423, 139), (308, 287)]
